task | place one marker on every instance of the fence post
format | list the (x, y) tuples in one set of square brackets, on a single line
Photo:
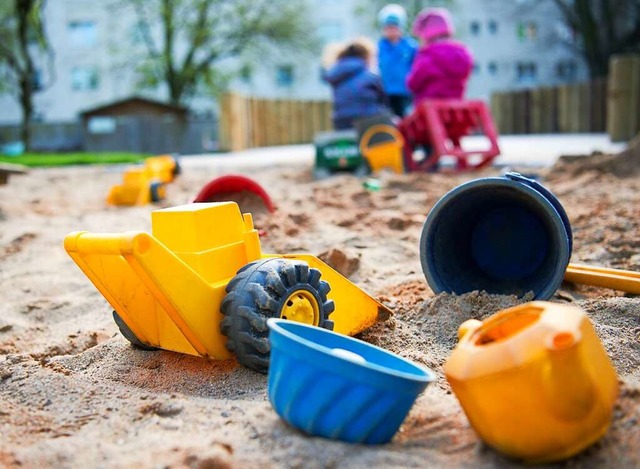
[(623, 97), (281, 122), (223, 132), (521, 112), (251, 121), (537, 110), (584, 106), (564, 106), (571, 108), (271, 122), (237, 123), (494, 105), (303, 115), (327, 111), (231, 123), (598, 109), (549, 111), (296, 122)]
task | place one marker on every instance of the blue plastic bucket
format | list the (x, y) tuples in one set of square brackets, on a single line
[(503, 235), (330, 385)]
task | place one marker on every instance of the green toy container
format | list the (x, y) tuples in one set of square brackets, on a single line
[(338, 151)]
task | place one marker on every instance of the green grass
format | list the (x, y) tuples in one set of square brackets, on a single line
[(66, 159)]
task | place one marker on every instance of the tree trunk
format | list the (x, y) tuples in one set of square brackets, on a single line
[(172, 76), (23, 9), (26, 102)]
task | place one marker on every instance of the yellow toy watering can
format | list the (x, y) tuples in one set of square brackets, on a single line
[(534, 381)]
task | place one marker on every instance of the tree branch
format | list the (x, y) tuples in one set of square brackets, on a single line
[(143, 25), (198, 33), (11, 60)]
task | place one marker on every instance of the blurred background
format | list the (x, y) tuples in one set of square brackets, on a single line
[(194, 76)]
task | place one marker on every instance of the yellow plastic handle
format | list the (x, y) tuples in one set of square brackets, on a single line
[(380, 128), (623, 280)]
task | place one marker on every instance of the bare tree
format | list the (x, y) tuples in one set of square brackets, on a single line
[(22, 41), (187, 39), (602, 28)]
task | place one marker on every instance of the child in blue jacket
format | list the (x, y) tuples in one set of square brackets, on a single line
[(357, 92), (395, 57)]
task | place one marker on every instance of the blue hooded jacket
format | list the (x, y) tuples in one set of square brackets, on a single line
[(357, 92), (394, 61)]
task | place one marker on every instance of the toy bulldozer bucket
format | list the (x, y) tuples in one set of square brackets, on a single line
[(200, 284), (386, 154)]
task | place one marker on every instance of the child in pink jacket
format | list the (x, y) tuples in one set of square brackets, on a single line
[(442, 66)]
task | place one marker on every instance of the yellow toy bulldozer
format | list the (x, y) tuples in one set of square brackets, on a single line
[(145, 183), (201, 285)]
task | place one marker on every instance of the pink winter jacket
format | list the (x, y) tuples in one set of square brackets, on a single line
[(440, 70)]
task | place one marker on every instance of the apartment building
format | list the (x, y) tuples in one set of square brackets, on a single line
[(516, 44)]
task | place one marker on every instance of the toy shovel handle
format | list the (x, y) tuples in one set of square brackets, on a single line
[(623, 280)]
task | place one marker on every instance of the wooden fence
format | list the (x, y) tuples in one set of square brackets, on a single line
[(247, 122), (579, 107), (623, 119), (606, 105)]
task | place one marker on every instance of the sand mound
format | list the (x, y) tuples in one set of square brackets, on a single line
[(624, 164)]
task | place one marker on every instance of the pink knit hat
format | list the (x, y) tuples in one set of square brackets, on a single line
[(433, 22)]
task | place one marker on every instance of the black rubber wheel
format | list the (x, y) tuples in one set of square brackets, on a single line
[(177, 169), (268, 289), (156, 189), (129, 335)]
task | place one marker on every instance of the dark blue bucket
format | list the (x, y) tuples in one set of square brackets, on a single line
[(503, 235)]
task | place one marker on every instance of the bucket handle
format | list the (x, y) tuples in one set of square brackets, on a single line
[(380, 128)]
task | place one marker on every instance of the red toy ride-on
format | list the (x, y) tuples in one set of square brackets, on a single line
[(440, 125)]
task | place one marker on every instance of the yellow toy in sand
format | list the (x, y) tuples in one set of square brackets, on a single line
[(386, 154), (145, 183), (201, 285), (534, 381)]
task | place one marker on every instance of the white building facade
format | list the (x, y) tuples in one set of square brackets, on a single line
[(516, 44)]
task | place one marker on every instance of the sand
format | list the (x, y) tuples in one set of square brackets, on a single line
[(74, 393)]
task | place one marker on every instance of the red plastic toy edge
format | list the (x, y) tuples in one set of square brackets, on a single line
[(233, 183)]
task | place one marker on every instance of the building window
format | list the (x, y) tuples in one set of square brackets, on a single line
[(492, 26), (102, 125), (527, 72), (284, 75), (84, 78), (527, 31), (474, 27), (567, 70), (82, 33), (492, 67)]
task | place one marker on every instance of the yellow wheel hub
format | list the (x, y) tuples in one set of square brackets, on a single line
[(301, 306)]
